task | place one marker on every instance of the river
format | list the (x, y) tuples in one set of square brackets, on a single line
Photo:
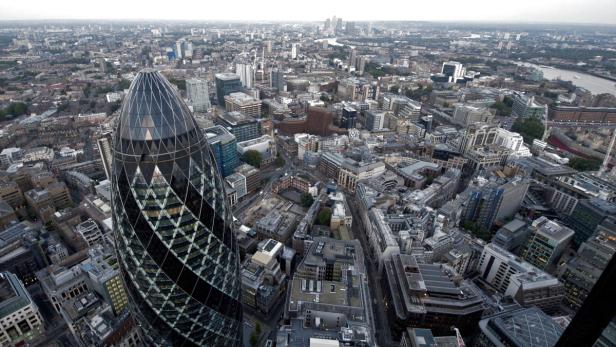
[(593, 84)]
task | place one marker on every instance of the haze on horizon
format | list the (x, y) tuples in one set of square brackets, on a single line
[(524, 11)]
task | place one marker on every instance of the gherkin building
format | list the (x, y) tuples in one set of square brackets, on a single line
[(173, 227)]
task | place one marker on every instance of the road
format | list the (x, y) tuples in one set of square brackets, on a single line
[(381, 322)]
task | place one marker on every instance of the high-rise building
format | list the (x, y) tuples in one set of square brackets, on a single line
[(587, 215), (243, 127), (482, 206), (198, 94), (582, 272), (105, 145), (20, 320), (244, 103), (246, 73), (525, 106), (375, 120), (277, 79), (453, 69), (349, 118), (226, 83), (548, 240), (174, 234), (224, 147), (294, 51)]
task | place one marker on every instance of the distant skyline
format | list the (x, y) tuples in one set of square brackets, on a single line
[(523, 11)]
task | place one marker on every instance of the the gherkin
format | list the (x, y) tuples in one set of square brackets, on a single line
[(173, 226)]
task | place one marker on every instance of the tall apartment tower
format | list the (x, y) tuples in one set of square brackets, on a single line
[(198, 94), (177, 251)]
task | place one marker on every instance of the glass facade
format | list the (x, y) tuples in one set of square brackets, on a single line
[(173, 227)]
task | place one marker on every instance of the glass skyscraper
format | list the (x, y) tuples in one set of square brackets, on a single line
[(173, 227)]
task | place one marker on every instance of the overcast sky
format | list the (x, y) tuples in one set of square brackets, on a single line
[(560, 11)]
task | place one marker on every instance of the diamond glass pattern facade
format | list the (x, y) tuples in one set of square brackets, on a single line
[(174, 235)]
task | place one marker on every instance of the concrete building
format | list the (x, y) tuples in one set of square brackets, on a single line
[(246, 72), (61, 284), (244, 103), (198, 94), (512, 236), (252, 176), (454, 70), (587, 215), (548, 240), (525, 106), (20, 320), (263, 281), (277, 225), (514, 277), (243, 127), (352, 171), (238, 183), (90, 232), (224, 147), (375, 120), (430, 296), (583, 271), (226, 83), (465, 115), (519, 328), (328, 297)]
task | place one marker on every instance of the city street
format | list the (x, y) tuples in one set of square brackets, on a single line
[(383, 332)]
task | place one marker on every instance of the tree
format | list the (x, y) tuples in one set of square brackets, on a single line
[(324, 216), (124, 84), (307, 200), (583, 164), (254, 339), (279, 160), (394, 89), (529, 127), (252, 157)]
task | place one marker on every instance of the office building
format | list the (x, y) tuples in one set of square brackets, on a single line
[(182, 278), (89, 232), (453, 70), (349, 118), (426, 296), (277, 79), (375, 120), (525, 106), (519, 328), (223, 145), (482, 206), (226, 83), (243, 127), (514, 277), (582, 272), (243, 103), (587, 215), (512, 236), (20, 320), (246, 72), (466, 115), (105, 150), (198, 94), (548, 240)]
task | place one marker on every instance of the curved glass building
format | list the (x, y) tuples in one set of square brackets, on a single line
[(173, 227)]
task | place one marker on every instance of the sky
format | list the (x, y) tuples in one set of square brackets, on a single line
[(526, 11)]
